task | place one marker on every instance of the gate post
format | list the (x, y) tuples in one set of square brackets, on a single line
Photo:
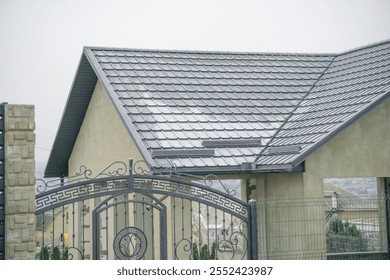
[(95, 236), (252, 230), (17, 193), (163, 232)]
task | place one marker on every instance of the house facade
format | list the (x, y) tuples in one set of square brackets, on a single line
[(280, 123)]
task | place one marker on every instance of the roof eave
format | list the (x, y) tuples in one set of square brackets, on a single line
[(71, 120), (229, 170)]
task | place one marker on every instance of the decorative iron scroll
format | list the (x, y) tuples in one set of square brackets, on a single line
[(68, 254), (130, 244), (117, 168), (190, 190), (113, 178), (233, 245), (143, 168)]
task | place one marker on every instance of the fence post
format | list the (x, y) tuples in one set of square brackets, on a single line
[(387, 205), (252, 230)]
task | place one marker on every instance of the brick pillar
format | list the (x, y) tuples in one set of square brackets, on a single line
[(19, 182)]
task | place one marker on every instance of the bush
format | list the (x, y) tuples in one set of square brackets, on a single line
[(205, 253), (343, 237), (56, 255), (44, 254)]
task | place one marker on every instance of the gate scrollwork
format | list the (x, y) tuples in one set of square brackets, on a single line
[(206, 219), (130, 244)]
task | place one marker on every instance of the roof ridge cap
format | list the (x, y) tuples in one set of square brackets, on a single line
[(366, 46), (333, 54)]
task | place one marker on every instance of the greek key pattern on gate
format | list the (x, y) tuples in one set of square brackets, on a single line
[(79, 191), (191, 191)]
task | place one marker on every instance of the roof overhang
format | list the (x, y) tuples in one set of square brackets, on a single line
[(72, 118), (245, 168), (360, 114)]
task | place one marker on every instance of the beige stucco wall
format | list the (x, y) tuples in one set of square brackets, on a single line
[(290, 223), (103, 138), (362, 150)]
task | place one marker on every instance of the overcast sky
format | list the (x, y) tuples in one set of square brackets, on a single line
[(41, 40)]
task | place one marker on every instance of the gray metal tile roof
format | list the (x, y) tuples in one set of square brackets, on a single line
[(179, 100), (175, 103), (352, 85)]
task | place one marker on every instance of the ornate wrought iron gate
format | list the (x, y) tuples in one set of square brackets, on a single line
[(138, 215)]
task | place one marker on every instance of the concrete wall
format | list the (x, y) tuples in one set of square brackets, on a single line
[(19, 182)]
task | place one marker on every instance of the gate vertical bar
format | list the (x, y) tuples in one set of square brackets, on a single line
[(95, 236), (252, 230), (163, 234)]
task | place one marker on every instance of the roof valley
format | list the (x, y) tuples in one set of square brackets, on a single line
[(294, 110)]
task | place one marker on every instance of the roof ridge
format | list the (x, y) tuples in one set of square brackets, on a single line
[(370, 45), (293, 111), (217, 52), (335, 54), (239, 52)]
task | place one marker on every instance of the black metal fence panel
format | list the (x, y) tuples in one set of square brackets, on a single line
[(317, 228)]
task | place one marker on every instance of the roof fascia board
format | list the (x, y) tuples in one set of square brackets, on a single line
[(231, 170), (299, 159), (199, 170), (83, 62), (118, 106)]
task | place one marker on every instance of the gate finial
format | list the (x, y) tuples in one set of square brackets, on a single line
[(130, 166)]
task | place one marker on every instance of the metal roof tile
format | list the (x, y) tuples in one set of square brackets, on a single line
[(177, 99), (345, 89)]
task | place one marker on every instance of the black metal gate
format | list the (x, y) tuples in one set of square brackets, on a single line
[(139, 215)]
